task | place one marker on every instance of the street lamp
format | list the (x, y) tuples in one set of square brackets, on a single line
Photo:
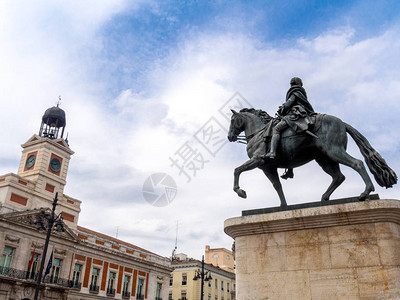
[(204, 276), (41, 227)]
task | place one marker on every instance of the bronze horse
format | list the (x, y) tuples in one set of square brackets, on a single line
[(329, 150)]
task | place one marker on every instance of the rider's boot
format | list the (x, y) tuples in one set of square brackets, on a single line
[(288, 174), (274, 144)]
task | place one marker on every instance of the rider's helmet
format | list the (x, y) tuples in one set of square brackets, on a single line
[(296, 81)]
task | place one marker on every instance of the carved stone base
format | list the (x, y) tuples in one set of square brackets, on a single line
[(343, 251)]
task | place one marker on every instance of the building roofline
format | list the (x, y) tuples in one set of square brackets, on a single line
[(219, 249), (110, 238), (197, 264)]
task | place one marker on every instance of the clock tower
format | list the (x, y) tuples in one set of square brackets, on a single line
[(45, 157), (42, 172)]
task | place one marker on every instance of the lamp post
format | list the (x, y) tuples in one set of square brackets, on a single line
[(58, 227), (204, 276)]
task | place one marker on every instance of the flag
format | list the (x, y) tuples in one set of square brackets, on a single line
[(49, 265), (31, 261)]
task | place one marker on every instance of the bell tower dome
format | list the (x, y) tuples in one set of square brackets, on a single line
[(52, 121)]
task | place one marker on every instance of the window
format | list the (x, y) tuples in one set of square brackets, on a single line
[(125, 288), (216, 283), (110, 285), (215, 255), (183, 295), (55, 270), (227, 287), (222, 297), (209, 297), (33, 265), (222, 285), (216, 297), (228, 257), (158, 291), (6, 259), (140, 289), (77, 275), (171, 280), (184, 278), (94, 280), (209, 283), (170, 296)]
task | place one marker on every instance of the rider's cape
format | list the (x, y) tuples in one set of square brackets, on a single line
[(298, 119), (297, 110)]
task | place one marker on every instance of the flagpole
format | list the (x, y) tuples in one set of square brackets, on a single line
[(46, 245), (31, 260)]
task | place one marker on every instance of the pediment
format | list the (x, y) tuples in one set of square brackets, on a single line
[(33, 138), (60, 142), (28, 218)]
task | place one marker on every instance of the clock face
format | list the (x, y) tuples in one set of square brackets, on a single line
[(30, 161), (55, 164)]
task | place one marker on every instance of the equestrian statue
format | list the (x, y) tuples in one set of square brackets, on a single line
[(298, 135)]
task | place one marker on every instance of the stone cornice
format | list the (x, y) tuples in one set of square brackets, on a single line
[(385, 210)]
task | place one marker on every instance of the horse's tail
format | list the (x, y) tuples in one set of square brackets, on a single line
[(383, 174)]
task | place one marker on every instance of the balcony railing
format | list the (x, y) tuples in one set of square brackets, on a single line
[(158, 298), (76, 285), (139, 297), (126, 295), (93, 288), (32, 276), (110, 292)]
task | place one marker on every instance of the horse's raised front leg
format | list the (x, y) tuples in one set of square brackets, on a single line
[(251, 164), (272, 174)]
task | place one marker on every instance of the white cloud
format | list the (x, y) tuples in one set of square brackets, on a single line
[(119, 142)]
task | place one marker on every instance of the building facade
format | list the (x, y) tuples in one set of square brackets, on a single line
[(84, 264), (182, 285), (220, 257)]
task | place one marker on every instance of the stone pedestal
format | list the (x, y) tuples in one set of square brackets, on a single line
[(342, 251)]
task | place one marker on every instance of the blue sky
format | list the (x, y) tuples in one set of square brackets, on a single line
[(133, 40), (139, 79)]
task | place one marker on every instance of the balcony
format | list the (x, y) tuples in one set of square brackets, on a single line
[(158, 298), (110, 292), (76, 285), (126, 295), (23, 275), (94, 288), (139, 297)]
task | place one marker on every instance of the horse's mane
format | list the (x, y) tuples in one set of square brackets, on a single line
[(263, 115)]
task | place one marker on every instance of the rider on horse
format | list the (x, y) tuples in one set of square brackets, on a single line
[(294, 113)]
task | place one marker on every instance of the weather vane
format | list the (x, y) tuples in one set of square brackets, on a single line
[(59, 101)]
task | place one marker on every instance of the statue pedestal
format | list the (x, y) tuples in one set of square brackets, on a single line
[(341, 251)]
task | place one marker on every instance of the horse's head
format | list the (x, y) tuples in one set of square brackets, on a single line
[(237, 126), (249, 120)]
